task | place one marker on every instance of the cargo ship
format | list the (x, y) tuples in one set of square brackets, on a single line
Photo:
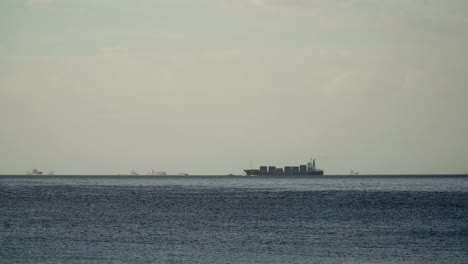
[(302, 170)]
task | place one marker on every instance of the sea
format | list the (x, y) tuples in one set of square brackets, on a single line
[(219, 219)]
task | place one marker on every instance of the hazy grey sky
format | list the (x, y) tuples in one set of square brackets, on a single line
[(106, 86)]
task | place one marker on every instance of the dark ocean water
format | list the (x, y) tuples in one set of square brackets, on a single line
[(233, 220)]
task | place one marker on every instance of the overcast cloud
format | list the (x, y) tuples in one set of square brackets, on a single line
[(206, 86)]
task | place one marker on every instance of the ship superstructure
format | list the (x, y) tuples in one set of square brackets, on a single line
[(301, 170)]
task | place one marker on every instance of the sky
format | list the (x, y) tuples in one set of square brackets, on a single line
[(208, 86)]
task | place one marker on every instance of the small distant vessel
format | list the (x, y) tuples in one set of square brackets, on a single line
[(35, 172), (302, 170), (156, 173)]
